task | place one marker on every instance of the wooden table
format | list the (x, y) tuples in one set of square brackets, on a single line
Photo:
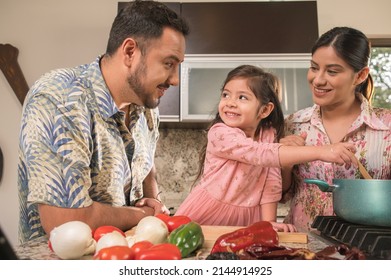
[(38, 249)]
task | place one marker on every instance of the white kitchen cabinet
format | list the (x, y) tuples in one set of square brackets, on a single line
[(169, 105), (202, 77)]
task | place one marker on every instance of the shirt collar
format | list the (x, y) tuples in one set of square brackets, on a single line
[(136, 108), (367, 116), (106, 104)]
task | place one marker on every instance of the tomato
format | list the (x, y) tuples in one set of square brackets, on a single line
[(140, 246), (174, 221), (163, 217), (114, 253), (163, 251), (102, 230)]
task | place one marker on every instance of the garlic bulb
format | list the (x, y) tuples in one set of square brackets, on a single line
[(152, 229), (72, 240)]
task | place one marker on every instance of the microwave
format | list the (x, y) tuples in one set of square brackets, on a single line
[(202, 78)]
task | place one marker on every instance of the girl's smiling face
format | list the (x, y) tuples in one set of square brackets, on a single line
[(239, 107)]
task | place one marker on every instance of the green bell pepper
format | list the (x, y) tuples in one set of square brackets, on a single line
[(188, 238)]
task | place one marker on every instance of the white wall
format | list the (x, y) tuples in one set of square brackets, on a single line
[(371, 17), (48, 34), (53, 34)]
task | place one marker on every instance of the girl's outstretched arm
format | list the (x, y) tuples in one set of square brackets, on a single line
[(286, 171), (340, 153)]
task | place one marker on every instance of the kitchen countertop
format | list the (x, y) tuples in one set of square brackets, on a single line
[(38, 249)]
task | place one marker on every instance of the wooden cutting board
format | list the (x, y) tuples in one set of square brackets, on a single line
[(211, 233)]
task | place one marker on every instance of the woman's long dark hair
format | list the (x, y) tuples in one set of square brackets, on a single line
[(354, 48), (266, 88)]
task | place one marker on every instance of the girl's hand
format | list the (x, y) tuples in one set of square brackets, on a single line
[(294, 140), (283, 227), (340, 153)]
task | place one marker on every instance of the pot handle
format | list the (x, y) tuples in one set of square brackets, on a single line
[(323, 186)]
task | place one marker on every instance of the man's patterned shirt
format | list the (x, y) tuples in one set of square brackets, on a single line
[(74, 147)]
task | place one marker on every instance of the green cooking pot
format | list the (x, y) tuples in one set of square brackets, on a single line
[(366, 202)]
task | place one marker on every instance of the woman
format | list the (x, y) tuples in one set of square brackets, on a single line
[(341, 90)]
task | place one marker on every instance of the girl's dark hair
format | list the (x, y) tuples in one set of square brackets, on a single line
[(266, 87), (143, 20), (354, 48)]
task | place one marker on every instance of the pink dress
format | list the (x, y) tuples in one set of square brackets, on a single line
[(240, 174), (371, 134)]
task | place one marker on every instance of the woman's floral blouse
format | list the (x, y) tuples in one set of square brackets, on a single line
[(371, 134)]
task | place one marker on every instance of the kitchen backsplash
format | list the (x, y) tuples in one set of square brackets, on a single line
[(177, 164), (176, 159)]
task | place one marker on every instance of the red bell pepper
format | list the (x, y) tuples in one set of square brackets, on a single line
[(163, 251), (258, 233), (174, 221)]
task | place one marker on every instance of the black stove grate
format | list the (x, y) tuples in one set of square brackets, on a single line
[(374, 241)]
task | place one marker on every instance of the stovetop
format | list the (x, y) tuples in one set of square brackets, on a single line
[(374, 241)]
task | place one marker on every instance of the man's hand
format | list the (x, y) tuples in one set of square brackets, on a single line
[(155, 204)]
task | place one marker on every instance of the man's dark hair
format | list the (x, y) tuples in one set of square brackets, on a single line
[(143, 20)]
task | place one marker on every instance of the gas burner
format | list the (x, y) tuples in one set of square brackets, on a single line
[(374, 241)]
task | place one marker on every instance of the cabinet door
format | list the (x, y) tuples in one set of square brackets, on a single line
[(251, 27), (169, 105)]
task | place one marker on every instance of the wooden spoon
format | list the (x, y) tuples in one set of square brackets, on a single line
[(363, 171)]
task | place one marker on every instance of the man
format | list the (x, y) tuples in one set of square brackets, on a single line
[(89, 134)]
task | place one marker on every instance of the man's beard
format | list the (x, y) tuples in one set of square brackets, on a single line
[(138, 87)]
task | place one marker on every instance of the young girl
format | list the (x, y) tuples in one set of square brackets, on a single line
[(241, 177)]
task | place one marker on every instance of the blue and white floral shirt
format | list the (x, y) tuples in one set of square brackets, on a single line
[(75, 148)]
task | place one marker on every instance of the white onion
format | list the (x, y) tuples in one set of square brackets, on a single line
[(72, 240), (111, 239), (131, 240), (152, 229)]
